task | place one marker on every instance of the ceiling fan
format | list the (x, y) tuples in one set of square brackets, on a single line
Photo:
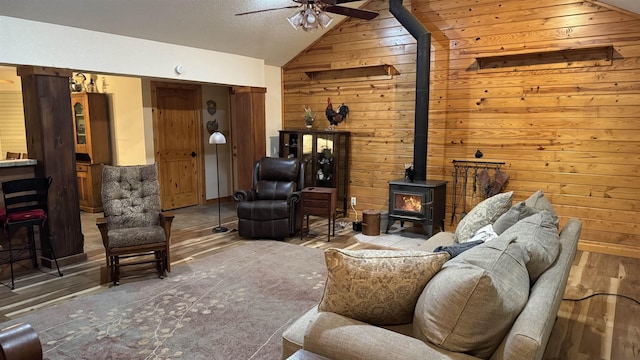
[(312, 13)]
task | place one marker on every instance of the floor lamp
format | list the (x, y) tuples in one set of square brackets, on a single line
[(218, 138)]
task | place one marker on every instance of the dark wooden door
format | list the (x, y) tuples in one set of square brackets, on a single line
[(249, 133)]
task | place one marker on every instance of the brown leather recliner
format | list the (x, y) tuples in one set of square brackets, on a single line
[(272, 209)]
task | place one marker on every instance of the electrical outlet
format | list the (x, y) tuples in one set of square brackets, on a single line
[(353, 200)]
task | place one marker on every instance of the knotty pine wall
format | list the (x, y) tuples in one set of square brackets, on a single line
[(564, 122)]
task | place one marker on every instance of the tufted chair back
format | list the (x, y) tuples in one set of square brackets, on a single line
[(131, 196), (133, 224)]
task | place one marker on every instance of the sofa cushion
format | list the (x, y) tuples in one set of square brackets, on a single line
[(472, 302), (517, 212), (539, 235), (443, 238), (486, 212), (539, 202), (379, 287)]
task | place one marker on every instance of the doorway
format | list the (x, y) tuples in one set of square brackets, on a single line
[(176, 139)]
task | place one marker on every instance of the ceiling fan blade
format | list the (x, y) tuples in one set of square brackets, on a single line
[(356, 13), (263, 10)]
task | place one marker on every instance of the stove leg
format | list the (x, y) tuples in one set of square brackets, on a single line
[(428, 228), (389, 224)]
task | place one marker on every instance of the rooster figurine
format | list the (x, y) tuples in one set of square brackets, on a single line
[(336, 117)]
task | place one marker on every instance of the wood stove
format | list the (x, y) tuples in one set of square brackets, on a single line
[(422, 201), (418, 201)]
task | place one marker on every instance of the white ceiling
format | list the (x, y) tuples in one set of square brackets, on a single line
[(205, 24)]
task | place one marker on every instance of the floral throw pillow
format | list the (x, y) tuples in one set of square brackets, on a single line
[(380, 287), (486, 212)]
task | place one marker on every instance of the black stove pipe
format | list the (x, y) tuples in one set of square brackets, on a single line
[(423, 36)]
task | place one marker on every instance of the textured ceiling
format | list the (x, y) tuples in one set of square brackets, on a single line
[(205, 24)]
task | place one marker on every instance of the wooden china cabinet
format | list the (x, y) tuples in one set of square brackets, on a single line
[(326, 153), (92, 144)]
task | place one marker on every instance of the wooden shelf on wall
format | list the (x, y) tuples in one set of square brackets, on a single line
[(543, 60), (355, 72)]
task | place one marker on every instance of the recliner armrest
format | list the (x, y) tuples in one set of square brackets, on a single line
[(294, 197), (245, 195)]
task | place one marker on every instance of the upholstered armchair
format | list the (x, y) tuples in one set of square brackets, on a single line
[(134, 224), (272, 209)]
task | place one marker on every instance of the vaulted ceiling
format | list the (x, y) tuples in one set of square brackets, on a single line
[(205, 24)]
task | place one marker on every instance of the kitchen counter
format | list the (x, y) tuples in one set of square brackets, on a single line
[(18, 162)]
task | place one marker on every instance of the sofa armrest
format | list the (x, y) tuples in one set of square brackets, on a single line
[(339, 337), (529, 335)]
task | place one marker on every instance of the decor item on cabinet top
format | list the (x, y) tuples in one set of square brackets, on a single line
[(309, 117), (336, 117), (77, 82), (91, 86)]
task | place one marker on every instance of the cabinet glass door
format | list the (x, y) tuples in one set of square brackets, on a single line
[(307, 158), (290, 148), (325, 162), (81, 125)]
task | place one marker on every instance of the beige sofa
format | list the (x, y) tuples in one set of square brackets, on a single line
[(340, 337)]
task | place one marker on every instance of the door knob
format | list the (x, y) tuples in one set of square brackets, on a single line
[(193, 154)]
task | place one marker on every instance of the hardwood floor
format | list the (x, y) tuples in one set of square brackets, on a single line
[(601, 327)]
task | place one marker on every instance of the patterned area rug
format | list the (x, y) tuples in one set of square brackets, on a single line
[(234, 304)]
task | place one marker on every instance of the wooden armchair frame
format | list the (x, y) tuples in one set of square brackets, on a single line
[(161, 252)]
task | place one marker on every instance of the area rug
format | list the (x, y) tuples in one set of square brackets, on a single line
[(230, 305)]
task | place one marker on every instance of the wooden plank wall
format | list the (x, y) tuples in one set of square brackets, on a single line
[(567, 127)]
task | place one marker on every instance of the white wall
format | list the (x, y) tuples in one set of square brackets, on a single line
[(25, 42), (273, 108), (12, 133), (128, 143), (219, 94)]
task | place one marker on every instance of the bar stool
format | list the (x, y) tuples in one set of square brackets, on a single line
[(25, 206)]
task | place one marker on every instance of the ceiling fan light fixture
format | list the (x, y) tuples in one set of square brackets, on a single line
[(296, 19), (310, 18), (324, 19)]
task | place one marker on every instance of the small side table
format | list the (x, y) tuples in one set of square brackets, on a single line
[(320, 201)]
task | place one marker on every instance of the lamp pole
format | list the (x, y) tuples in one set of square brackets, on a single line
[(218, 138)]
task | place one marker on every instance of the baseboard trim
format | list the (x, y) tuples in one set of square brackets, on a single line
[(63, 261), (610, 249)]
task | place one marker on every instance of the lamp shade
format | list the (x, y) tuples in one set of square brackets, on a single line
[(217, 138)]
